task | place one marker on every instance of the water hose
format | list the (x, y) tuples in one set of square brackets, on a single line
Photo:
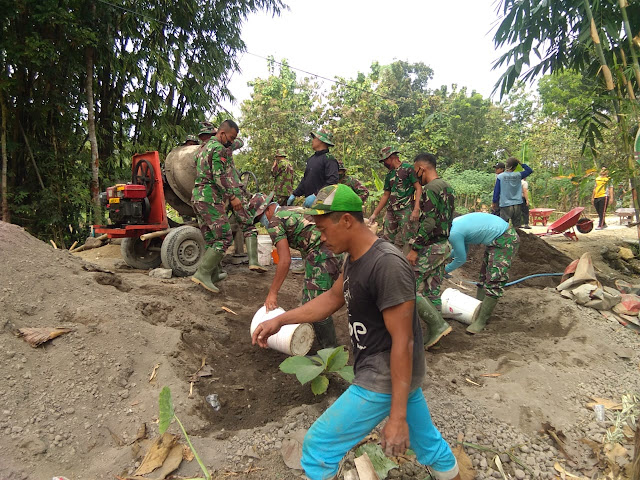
[(522, 279)]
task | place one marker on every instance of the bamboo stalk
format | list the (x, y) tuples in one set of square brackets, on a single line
[(159, 233)]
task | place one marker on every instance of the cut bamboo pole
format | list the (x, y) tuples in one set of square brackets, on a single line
[(159, 233)]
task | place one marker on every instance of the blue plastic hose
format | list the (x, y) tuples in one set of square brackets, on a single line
[(523, 278)]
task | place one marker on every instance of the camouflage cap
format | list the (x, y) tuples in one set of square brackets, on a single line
[(191, 138), (281, 153), (324, 137), (207, 128), (237, 144), (335, 198), (258, 204), (386, 152), (341, 166)]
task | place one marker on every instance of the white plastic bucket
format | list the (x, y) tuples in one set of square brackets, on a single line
[(459, 306), (264, 250), (294, 339)]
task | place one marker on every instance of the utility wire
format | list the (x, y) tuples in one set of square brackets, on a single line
[(316, 75)]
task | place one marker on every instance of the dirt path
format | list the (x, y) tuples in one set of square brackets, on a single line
[(73, 406)]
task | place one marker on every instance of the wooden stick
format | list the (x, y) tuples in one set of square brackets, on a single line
[(73, 245), (159, 233), (53, 244)]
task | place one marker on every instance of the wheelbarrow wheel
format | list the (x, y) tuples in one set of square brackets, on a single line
[(137, 254), (182, 250)]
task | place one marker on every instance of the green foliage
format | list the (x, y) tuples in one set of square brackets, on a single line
[(313, 369), (381, 464), (166, 416)]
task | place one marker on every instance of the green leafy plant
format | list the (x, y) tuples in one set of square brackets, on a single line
[(166, 416), (312, 369)]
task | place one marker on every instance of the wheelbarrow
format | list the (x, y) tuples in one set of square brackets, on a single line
[(565, 225)]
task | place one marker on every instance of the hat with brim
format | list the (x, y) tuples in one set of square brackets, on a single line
[(324, 137), (386, 152), (258, 204), (335, 198), (281, 153)]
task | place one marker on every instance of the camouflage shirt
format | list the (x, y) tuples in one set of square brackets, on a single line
[(356, 186), (300, 232), (216, 177), (282, 173), (436, 214), (399, 182)]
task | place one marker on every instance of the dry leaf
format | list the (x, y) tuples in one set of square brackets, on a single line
[(464, 461), (40, 335), (228, 310), (498, 463), (153, 374), (615, 450), (558, 437), (187, 454), (157, 454), (560, 469), (608, 404)]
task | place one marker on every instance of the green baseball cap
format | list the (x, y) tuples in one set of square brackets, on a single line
[(386, 152), (281, 153), (324, 137), (335, 198)]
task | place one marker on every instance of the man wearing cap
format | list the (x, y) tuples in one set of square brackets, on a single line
[(377, 285), (321, 169), (507, 193), (430, 247), (190, 140), (282, 172), (352, 182), (207, 130), (501, 241), (216, 184), (289, 228), (402, 192)]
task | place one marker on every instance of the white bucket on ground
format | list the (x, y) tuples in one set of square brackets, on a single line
[(459, 306), (294, 339), (264, 250)]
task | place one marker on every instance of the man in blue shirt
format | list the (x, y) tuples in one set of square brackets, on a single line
[(507, 193), (502, 245)]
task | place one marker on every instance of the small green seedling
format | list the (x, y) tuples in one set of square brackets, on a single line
[(167, 415), (311, 369)]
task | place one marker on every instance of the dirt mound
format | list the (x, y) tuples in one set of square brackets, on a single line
[(534, 256)]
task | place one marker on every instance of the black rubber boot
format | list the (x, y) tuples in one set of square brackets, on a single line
[(326, 333), (209, 263), (486, 309), (436, 326), (251, 243)]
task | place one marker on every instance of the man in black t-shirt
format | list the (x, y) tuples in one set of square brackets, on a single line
[(377, 284)]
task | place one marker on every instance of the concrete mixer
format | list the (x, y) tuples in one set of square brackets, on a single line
[(138, 215)]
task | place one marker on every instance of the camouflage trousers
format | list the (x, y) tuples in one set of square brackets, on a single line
[(321, 270), (215, 227), (429, 269), (398, 226), (281, 199), (494, 273)]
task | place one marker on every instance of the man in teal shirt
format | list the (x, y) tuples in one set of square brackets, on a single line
[(502, 244)]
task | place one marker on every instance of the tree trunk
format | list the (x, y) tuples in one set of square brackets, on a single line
[(95, 185), (6, 215)]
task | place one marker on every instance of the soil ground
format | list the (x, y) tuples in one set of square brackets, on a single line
[(73, 406)]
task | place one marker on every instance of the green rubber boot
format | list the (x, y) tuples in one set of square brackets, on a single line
[(209, 263), (486, 309), (218, 274), (251, 243), (480, 293), (437, 327)]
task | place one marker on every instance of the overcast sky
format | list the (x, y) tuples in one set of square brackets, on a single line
[(343, 37)]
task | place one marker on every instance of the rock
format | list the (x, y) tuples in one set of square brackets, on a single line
[(496, 397), (525, 448), (161, 273), (33, 446), (504, 458), (625, 253), (483, 463), (519, 474)]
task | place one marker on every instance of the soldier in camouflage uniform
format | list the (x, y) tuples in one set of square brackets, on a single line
[(289, 228), (402, 192), (190, 140), (430, 246), (501, 242), (207, 130), (352, 182), (217, 183), (283, 177)]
